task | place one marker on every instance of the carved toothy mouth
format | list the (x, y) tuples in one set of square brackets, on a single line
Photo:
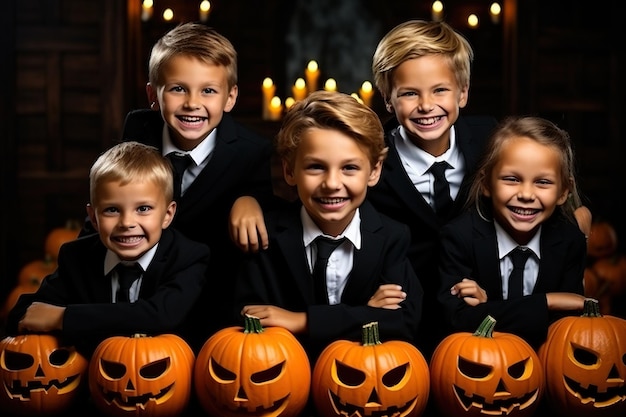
[(590, 394), (16, 390), (132, 402), (504, 406), (351, 410)]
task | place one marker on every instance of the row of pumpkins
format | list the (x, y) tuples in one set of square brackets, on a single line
[(254, 371), (605, 273)]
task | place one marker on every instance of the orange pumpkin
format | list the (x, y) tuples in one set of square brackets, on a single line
[(58, 236), (40, 375), (371, 378), (486, 373), (611, 273), (584, 358), (252, 371), (141, 375), (14, 294), (602, 241), (35, 271)]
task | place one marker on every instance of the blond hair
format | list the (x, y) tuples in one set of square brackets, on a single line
[(417, 38), (131, 161), (331, 110), (193, 40)]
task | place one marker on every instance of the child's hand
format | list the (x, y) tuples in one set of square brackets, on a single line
[(469, 291), (41, 317), (387, 296), (247, 225), (276, 316), (565, 301)]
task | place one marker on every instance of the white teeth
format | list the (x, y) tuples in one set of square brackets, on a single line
[(525, 212), (428, 121), (191, 119), (132, 239), (331, 200)]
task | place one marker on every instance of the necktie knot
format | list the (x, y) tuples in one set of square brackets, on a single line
[(326, 246), (519, 256), (180, 162), (126, 275), (441, 197)]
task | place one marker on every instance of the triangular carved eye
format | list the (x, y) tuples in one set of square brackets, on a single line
[(395, 376), (518, 369), (114, 370), (473, 370), (17, 361), (348, 375), (220, 373), (155, 369), (268, 375)]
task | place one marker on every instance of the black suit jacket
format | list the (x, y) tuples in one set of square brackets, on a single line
[(170, 286), (469, 248), (240, 165), (395, 196), (280, 276)]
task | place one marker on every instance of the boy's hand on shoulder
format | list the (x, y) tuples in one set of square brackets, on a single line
[(469, 291), (41, 317), (247, 225), (387, 296)]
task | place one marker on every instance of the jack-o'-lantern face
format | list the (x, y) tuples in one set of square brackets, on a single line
[(252, 371), (40, 375), (371, 379), (486, 373), (141, 374), (585, 362)]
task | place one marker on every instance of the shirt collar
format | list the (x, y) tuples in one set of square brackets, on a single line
[(506, 243), (422, 160), (198, 154), (310, 230), (111, 259)]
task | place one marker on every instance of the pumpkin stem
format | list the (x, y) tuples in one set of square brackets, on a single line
[(370, 334), (252, 324), (486, 327), (591, 308)]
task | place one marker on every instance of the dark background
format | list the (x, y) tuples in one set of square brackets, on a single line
[(72, 69)]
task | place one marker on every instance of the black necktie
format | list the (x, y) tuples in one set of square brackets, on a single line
[(180, 162), (516, 279), (325, 246), (443, 201), (126, 275)]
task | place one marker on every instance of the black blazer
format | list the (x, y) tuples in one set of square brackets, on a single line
[(170, 286), (395, 196), (240, 165), (280, 276), (469, 248)]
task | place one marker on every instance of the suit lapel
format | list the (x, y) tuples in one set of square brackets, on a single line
[(486, 252), (551, 243)]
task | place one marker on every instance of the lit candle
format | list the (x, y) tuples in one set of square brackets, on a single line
[(276, 108), (437, 11), (268, 92), (299, 89), (168, 14), (366, 92), (205, 7), (289, 101), (146, 10), (494, 12), (330, 85), (311, 74)]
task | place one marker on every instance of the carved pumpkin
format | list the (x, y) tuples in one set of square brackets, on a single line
[(58, 236), (584, 358), (40, 375), (486, 373), (371, 378), (253, 371), (35, 271), (141, 375), (602, 241)]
